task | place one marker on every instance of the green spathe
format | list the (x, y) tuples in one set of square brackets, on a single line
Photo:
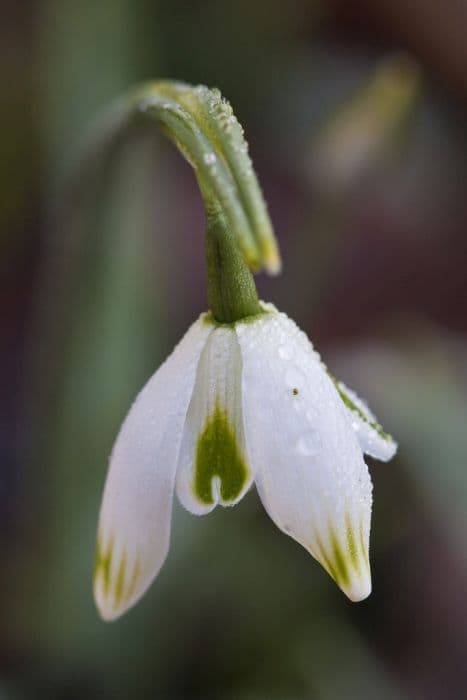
[(201, 123), (218, 455)]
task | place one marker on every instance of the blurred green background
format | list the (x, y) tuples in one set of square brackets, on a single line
[(356, 117)]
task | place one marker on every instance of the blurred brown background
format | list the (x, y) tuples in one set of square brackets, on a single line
[(356, 117)]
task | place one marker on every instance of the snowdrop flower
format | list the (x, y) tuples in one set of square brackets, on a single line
[(232, 405), (244, 398)]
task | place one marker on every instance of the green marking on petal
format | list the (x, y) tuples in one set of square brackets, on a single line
[(324, 559), (352, 406), (135, 577), (103, 568), (352, 546), (364, 547), (120, 582), (218, 455), (339, 561), (103, 563)]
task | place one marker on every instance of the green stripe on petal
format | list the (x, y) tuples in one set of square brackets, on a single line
[(363, 546), (373, 440), (103, 562), (341, 560), (218, 455), (135, 578), (343, 393), (324, 560), (352, 547), (346, 560), (120, 580), (113, 574)]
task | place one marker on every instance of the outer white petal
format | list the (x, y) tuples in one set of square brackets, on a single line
[(370, 435), (135, 517), (307, 464), (212, 465)]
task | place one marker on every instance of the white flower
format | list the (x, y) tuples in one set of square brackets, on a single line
[(232, 405)]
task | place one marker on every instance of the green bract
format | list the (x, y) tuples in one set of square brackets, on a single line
[(202, 125)]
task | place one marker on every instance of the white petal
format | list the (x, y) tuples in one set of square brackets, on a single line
[(212, 467), (372, 439), (135, 517), (307, 464)]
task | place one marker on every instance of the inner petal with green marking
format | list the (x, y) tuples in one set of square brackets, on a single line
[(212, 464), (219, 461)]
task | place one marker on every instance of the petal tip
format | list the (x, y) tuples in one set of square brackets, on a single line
[(273, 265), (346, 560), (111, 607), (391, 450), (358, 589), (108, 611), (119, 580)]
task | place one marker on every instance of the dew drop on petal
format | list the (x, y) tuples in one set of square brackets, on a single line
[(309, 444)]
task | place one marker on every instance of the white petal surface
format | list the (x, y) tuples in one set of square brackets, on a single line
[(371, 437), (212, 466), (306, 461), (135, 517)]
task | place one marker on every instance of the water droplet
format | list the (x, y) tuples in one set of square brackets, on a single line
[(209, 158), (308, 444)]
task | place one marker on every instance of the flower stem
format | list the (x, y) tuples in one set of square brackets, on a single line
[(232, 291)]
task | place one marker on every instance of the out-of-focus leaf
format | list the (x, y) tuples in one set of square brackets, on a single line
[(364, 129)]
